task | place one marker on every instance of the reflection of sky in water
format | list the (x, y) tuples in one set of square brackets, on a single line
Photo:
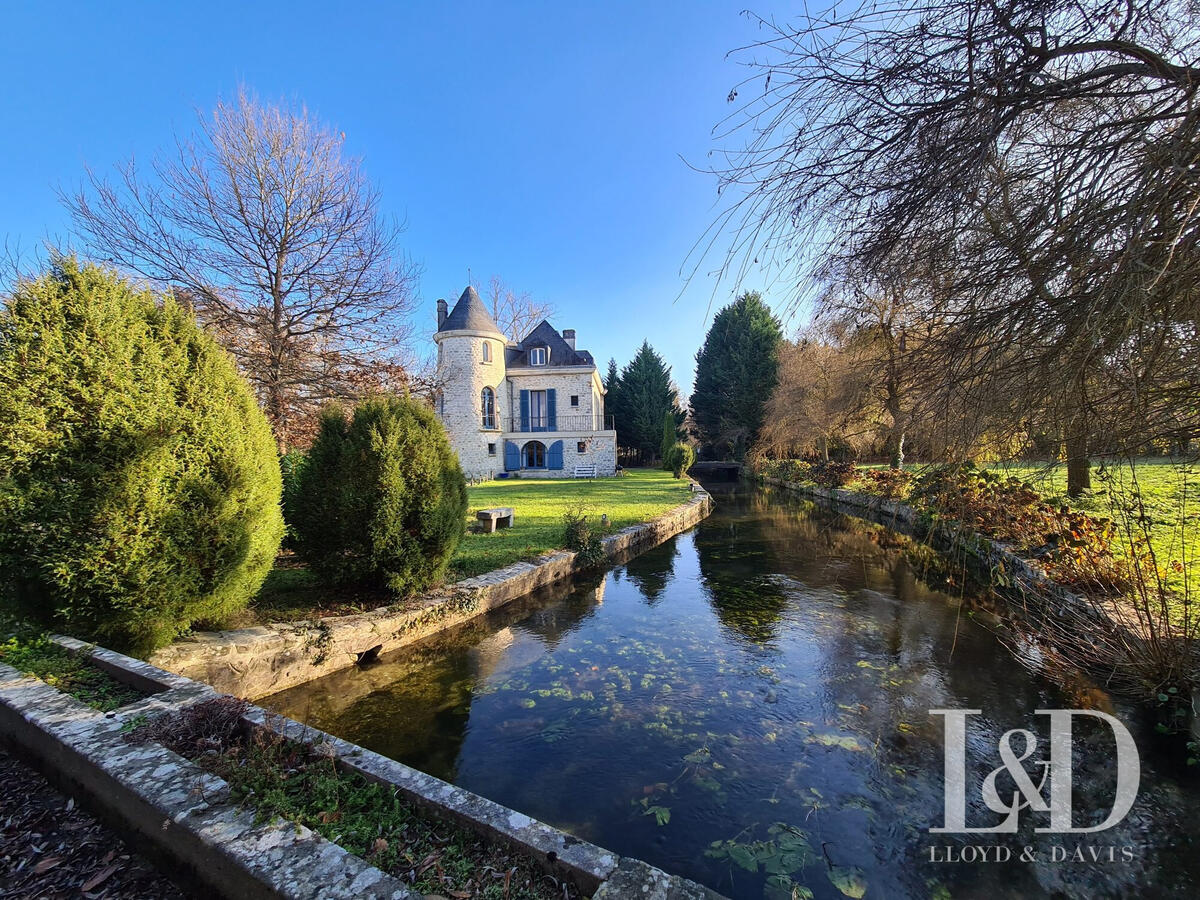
[(764, 682)]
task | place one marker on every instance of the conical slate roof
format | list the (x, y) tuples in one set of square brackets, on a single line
[(470, 314)]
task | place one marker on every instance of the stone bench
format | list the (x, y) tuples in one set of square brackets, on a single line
[(500, 517)]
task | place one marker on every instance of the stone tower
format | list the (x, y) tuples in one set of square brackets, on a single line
[(470, 366)]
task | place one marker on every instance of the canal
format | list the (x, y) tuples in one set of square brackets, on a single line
[(748, 705)]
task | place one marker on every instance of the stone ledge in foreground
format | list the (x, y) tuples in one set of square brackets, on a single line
[(184, 818)]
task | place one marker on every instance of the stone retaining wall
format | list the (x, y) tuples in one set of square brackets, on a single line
[(186, 820), (255, 662)]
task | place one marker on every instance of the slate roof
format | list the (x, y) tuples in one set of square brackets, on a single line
[(470, 314), (545, 335)]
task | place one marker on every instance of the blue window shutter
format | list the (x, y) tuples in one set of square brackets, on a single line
[(524, 410), (554, 456), (512, 457), (552, 411)]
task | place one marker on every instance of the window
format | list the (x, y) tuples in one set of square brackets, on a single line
[(574, 399), (581, 447), (539, 410), (487, 403), (487, 351), (538, 356), (534, 455), (491, 449)]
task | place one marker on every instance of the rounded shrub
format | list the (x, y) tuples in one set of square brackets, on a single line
[(139, 482), (381, 500), (680, 458)]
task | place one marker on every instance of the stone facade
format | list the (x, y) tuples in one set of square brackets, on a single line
[(559, 425)]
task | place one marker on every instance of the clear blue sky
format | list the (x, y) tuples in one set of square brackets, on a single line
[(538, 141)]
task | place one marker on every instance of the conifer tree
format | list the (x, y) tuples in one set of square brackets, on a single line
[(647, 394), (736, 371)]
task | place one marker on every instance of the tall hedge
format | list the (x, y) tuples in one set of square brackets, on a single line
[(381, 500), (139, 483)]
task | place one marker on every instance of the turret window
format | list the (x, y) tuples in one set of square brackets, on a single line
[(487, 402), (487, 351)]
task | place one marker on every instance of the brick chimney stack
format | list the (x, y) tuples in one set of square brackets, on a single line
[(443, 311), (569, 336)]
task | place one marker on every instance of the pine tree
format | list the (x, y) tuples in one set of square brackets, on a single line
[(736, 371), (612, 392), (647, 395)]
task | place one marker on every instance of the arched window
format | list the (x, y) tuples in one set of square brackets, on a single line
[(487, 351), (487, 402), (534, 455)]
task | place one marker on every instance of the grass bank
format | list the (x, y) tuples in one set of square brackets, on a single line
[(291, 592), (637, 496), (1165, 492), (1169, 494)]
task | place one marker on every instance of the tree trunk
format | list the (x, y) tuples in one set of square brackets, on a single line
[(896, 450), (825, 448), (1079, 467)]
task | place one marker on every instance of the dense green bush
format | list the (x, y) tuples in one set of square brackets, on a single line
[(139, 482), (680, 458), (381, 500), (794, 470), (670, 437), (290, 465), (578, 535)]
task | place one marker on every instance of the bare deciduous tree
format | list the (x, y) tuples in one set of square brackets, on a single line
[(1042, 155), (517, 314), (277, 239), (820, 399)]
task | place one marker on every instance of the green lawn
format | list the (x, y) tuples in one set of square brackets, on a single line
[(291, 592), (1170, 493), (636, 496)]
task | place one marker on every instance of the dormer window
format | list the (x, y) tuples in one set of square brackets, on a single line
[(539, 355), (487, 351)]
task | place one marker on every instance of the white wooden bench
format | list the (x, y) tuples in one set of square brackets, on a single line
[(585, 471), (500, 517)]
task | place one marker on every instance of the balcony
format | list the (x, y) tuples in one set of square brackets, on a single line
[(567, 423)]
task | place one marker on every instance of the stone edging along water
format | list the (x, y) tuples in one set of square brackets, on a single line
[(186, 819), (255, 662)]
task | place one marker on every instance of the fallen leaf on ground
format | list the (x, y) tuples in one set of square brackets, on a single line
[(98, 879)]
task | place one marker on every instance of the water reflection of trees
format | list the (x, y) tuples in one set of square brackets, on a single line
[(653, 570), (730, 548)]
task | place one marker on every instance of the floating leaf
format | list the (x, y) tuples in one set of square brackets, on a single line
[(846, 742), (850, 880), (744, 857), (662, 814)]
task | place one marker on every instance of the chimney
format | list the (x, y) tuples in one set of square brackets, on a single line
[(569, 337), (441, 314)]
